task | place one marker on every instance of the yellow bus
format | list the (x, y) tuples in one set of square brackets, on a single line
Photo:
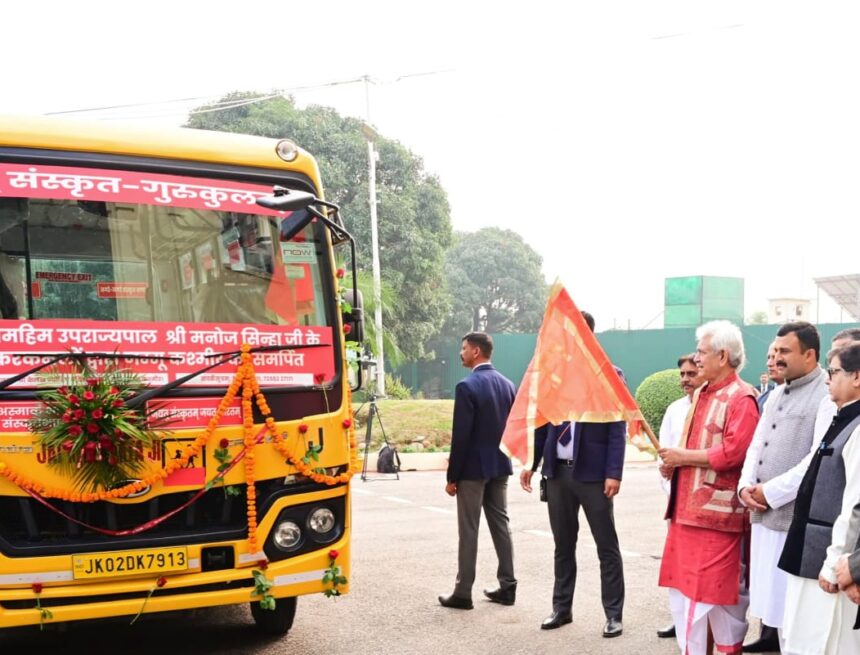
[(175, 416)]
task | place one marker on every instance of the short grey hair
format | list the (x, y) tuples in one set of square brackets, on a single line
[(727, 336)]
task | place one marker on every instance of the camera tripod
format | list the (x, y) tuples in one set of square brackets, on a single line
[(373, 410)]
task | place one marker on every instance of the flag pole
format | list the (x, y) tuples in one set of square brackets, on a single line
[(650, 433)]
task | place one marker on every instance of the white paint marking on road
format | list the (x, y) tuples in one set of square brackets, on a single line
[(366, 492), (395, 499), (440, 510), (539, 533)]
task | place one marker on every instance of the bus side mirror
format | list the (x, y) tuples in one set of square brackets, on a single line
[(355, 317)]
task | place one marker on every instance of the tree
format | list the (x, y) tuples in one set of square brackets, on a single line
[(413, 212), (496, 283), (757, 318), (393, 354)]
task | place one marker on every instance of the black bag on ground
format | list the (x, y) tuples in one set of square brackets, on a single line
[(387, 461)]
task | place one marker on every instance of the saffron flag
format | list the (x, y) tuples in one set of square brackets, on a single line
[(570, 378)]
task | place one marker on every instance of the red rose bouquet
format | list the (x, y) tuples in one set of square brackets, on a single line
[(87, 428)]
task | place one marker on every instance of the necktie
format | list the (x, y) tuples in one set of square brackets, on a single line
[(564, 439)]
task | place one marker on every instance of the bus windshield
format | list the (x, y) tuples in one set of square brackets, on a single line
[(104, 260)]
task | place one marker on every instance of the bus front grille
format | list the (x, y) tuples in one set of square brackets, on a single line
[(29, 529)]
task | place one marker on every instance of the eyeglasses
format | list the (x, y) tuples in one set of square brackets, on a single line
[(833, 371)]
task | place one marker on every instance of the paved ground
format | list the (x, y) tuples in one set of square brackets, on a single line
[(404, 556)]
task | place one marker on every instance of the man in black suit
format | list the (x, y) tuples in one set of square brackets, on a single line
[(478, 471), (582, 463)]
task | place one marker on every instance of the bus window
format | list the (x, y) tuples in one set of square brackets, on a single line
[(194, 253)]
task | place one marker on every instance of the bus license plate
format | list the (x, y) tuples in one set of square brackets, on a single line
[(129, 562)]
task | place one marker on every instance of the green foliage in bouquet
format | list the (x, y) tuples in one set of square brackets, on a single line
[(93, 436)]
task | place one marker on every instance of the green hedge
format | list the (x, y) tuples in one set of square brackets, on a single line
[(656, 393)]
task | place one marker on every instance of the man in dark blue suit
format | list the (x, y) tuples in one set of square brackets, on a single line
[(478, 471), (582, 463)]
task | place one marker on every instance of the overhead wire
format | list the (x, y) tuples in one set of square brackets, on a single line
[(224, 105)]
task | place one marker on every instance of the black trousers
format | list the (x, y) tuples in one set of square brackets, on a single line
[(564, 498)]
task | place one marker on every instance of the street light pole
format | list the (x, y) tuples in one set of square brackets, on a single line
[(371, 135)]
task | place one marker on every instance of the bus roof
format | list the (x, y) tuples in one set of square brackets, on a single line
[(138, 140)]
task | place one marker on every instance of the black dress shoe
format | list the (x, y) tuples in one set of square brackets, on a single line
[(667, 632), (612, 628), (768, 642), (456, 602), (556, 620), (502, 596)]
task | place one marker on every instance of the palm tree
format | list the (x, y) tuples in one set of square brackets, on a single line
[(393, 354)]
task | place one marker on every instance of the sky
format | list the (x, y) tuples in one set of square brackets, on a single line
[(626, 141)]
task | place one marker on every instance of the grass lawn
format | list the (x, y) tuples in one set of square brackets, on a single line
[(407, 420)]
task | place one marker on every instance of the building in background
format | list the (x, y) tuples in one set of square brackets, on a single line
[(783, 310)]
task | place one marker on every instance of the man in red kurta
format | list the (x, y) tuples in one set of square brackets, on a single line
[(704, 548)]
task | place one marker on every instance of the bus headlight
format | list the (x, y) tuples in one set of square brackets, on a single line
[(321, 520), (287, 150), (287, 535)]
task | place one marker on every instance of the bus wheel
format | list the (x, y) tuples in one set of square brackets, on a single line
[(277, 621)]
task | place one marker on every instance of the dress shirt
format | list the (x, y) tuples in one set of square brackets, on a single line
[(566, 451)]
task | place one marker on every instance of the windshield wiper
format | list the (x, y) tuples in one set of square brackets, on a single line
[(138, 400), (58, 357)]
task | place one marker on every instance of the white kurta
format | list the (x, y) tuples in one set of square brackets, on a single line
[(767, 581), (671, 429), (815, 622)]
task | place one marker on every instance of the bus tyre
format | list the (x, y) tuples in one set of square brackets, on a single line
[(277, 621)]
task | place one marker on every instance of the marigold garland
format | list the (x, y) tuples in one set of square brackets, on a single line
[(246, 381)]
